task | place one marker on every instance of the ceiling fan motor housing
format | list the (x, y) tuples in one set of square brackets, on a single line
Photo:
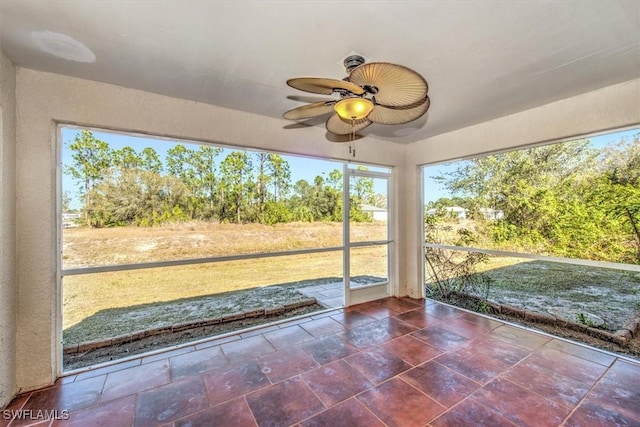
[(353, 61)]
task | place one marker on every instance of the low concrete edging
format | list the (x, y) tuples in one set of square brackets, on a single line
[(621, 337), (178, 327)]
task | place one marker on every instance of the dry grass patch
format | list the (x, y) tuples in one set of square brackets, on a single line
[(86, 295)]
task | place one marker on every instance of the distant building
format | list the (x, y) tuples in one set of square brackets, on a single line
[(461, 213), (378, 214), (453, 211), (70, 220)]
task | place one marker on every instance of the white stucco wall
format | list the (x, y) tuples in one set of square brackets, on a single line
[(44, 99), (613, 107), (8, 287)]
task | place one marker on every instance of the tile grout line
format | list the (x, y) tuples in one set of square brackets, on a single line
[(586, 395)]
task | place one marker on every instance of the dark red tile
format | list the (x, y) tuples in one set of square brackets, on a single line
[(548, 383), (196, 362), (18, 402), (259, 331), (377, 364), (95, 372), (397, 403), (568, 365), (375, 309), (411, 349), (287, 337), (624, 373), (590, 414), (520, 406), (170, 402), (283, 404), (133, 380), (328, 349), (377, 332), (442, 312), (482, 360), (115, 413), (401, 305), (470, 329), (13, 411), (217, 341), (519, 337), (231, 382), (482, 364), (247, 347), (482, 321), (30, 420), (326, 313), (65, 380), (72, 397), (323, 327), (350, 413), (165, 355), (581, 351), (352, 318), (234, 413), (470, 413), (441, 338), (418, 318), (286, 363), (621, 397), (336, 382), (440, 383)]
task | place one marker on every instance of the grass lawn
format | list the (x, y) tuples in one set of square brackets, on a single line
[(97, 295), (565, 290)]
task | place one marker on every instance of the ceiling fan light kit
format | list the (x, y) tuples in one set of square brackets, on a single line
[(353, 108), (375, 92)]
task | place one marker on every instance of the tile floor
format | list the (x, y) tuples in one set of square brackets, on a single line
[(394, 362)]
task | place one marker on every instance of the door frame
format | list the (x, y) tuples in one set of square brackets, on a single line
[(377, 290)]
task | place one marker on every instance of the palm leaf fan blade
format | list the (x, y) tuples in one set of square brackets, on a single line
[(324, 86), (311, 110), (338, 126), (385, 115), (394, 84)]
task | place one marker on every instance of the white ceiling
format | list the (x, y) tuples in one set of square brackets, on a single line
[(482, 59)]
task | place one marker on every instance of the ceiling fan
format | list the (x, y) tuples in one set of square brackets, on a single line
[(376, 92)]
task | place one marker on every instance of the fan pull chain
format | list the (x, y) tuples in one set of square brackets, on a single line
[(352, 141)]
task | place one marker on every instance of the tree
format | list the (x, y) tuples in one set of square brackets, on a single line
[(136, 196), (280, 176), (262, 180), (236, 182), (618, 189), (205, 179), (566, 199), (151, 161), (91, 160), (178, 163), (126, 158)]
